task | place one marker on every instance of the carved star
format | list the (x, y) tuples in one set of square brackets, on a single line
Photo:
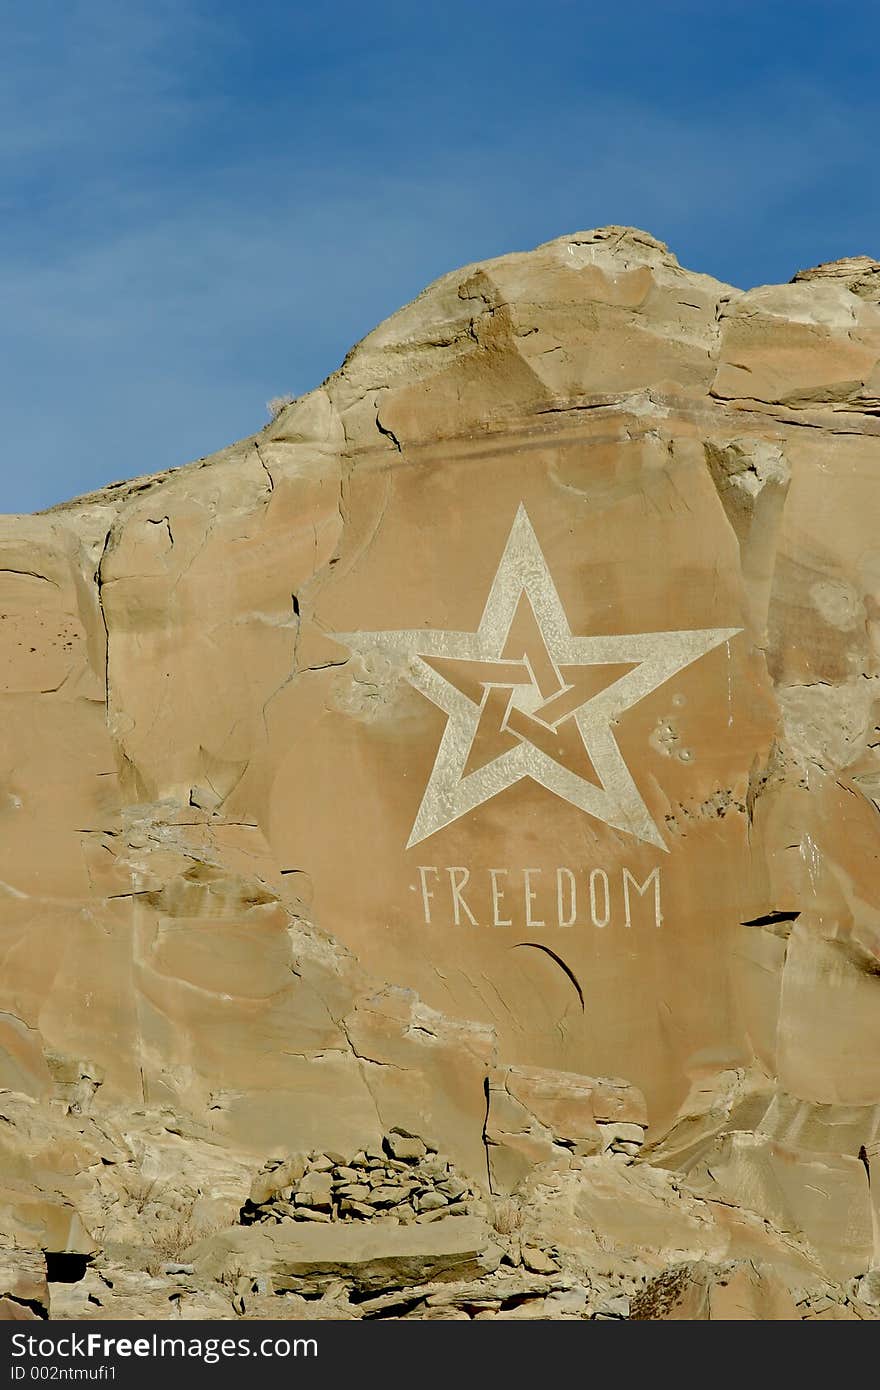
[(526, 698)]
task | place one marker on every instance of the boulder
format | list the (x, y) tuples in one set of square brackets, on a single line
[(38, 1220), (24, 1291), (367, 1257)]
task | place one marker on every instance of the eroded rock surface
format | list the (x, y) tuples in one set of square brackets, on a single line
[(487, 752)]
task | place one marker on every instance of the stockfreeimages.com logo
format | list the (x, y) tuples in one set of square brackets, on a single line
[(95, 1346)]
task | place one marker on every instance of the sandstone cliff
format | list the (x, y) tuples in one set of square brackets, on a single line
[(485, 752)]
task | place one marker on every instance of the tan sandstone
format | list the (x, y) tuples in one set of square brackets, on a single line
[(488, 752)]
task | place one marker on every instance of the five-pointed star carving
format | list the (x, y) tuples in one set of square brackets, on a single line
[(526, 698)]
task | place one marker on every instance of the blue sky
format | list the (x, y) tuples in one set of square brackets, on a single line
[(205, 203)]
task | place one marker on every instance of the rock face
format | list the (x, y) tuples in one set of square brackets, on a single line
[(487, 752)]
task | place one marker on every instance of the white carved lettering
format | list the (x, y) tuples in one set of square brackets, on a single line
[(653, 877), (531, 895), (563, 918), (523, 898), (458, 902), (427, 895), (596, 876), (497, 896)]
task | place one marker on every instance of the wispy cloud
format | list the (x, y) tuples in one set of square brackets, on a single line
[(82, 77)]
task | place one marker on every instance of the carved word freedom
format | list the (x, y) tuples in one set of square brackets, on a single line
[(453, 895)]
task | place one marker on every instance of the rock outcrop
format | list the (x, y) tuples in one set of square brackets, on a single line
[(482, 760)]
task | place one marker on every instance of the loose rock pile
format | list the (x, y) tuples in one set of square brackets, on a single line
[(406, 1180)]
